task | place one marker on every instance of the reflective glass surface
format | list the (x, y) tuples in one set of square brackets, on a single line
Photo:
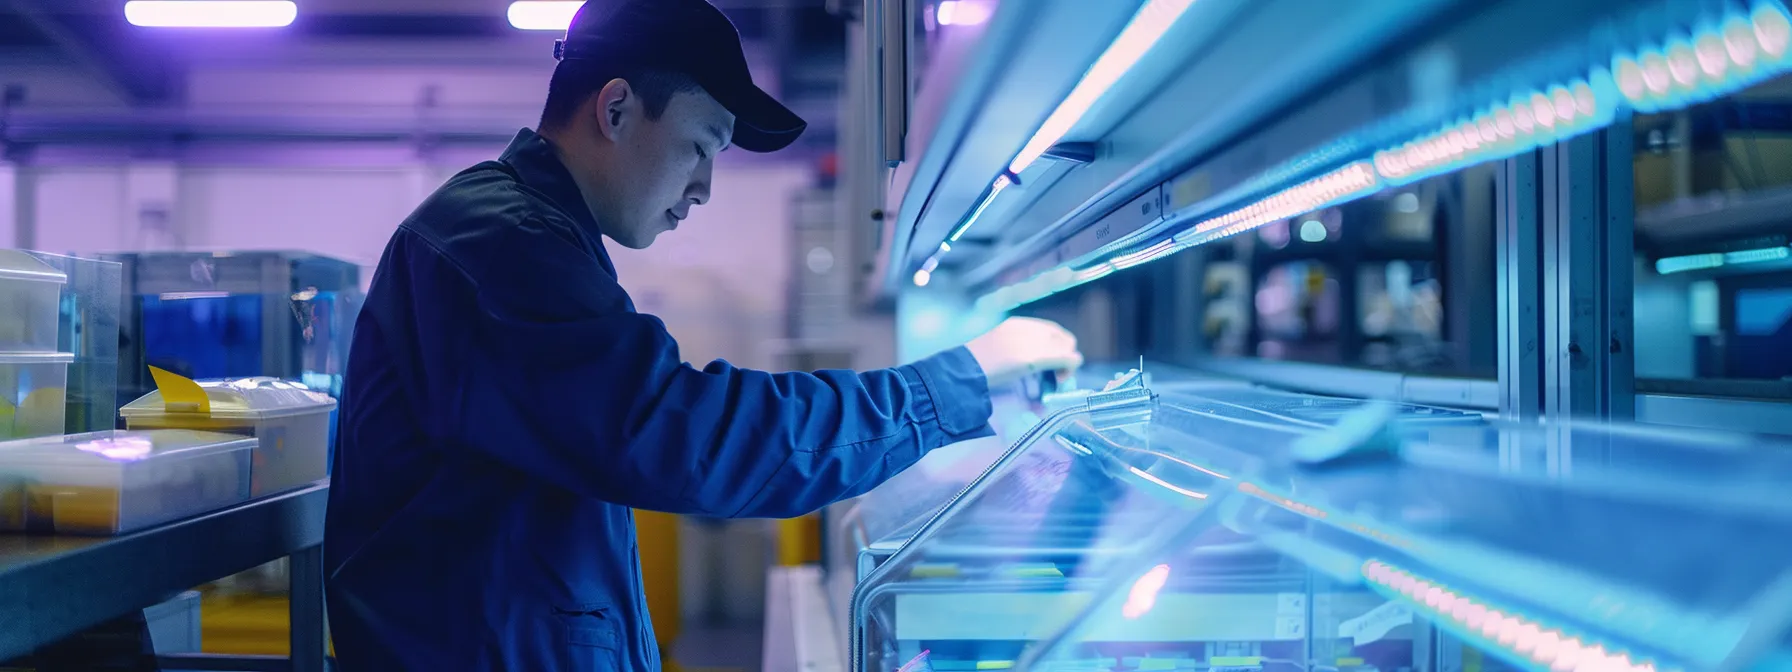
[(1027, 548), (1451, 546)]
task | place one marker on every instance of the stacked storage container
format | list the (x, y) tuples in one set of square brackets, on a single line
[(33, 375), (291, 424), (115, 482)]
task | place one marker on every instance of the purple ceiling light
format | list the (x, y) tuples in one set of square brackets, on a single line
[(210, 13), (543, 14)]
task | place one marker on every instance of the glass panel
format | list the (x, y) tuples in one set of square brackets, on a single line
[(1029, 546), (1457, 547), (1399, 281), (1013, 558), (89, 328), (1714, 270)]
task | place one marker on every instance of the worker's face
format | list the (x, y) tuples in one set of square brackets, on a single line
[(659, 168)]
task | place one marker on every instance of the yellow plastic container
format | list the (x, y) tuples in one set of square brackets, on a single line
[(119, 481), (291, 423)]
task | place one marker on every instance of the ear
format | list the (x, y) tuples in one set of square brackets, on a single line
[(617, 107)]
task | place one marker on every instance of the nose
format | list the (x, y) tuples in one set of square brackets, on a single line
[(697, 192)]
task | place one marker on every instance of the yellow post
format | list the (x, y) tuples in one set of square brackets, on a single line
[(799, 540), (656, 534)]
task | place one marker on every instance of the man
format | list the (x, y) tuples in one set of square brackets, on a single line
[(506, 407)]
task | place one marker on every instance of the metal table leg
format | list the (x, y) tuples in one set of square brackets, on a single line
[(307, 610)]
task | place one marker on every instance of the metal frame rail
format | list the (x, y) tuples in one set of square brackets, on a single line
[(52, 587)]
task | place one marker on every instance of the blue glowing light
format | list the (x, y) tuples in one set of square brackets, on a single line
[(1718, 57)]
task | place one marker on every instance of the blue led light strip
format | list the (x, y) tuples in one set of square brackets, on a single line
[(1343, 184), (1521, 639), (1720, 57), (1698, 262)]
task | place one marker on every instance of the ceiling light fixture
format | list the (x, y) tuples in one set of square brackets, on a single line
[(210, 13), (543, 14)]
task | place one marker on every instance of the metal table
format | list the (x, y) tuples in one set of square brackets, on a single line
[(52, 587)]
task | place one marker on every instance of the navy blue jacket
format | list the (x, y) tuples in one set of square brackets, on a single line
[(505, 407)]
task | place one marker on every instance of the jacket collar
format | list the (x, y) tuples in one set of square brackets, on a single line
[(536, 165)]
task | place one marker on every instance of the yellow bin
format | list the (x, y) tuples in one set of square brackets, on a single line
[(291, 423)]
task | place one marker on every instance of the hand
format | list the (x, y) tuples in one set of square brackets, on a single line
[(1023, 345)]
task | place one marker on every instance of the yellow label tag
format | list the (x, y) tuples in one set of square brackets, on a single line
[(1350, 662), (1235, 661), (995, 664), (179, 394)]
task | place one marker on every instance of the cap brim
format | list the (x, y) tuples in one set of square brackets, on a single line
[(761, 123)]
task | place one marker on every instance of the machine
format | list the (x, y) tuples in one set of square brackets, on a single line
[(1415, 394), (206, 315)]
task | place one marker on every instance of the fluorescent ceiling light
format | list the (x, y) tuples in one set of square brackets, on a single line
[(1147, 26), (543, 14), (210, 13), (1140, 34)]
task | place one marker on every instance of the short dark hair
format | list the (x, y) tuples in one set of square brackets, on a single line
[(575, 81)]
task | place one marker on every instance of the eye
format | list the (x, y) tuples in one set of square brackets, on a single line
[(701, 155)]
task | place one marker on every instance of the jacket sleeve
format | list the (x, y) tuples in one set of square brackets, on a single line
[(564, 383)]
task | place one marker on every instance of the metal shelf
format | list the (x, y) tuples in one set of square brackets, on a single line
[(52, 587)]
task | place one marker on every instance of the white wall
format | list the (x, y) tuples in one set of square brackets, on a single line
[(719, 281), (80, 209)]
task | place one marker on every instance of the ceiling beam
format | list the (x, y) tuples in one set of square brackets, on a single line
[(102, 58)]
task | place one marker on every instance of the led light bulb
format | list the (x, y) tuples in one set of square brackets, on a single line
[(1714, 62), (1543, 110), (1772, 29), (1739, 43), (1493, 624), (1503, 122), (1458, 609), (1630, 78), (1528, 637), (1585, 102), (1563, 102), (1510, 630), (1522, 118), (1471, 136), (1568, 656), (1476, 617), (1544, 650), (1490, 134), (1594, 659), (1655, 73), (1683, 64)]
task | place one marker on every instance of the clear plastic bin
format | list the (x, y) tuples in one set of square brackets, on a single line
[(30, 300), (290, 422), (119, 481), (33, 394)]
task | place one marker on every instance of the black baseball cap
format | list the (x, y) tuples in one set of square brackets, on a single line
[(690, 37)]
